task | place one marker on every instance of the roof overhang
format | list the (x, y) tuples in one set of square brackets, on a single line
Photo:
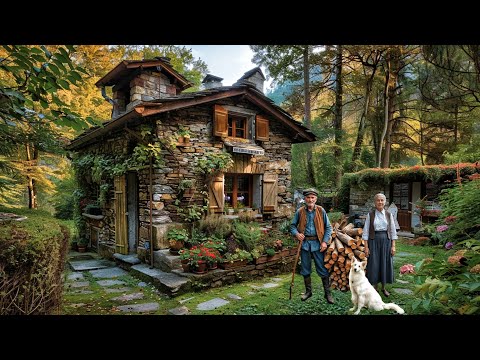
[(152, 108), (126, 67)]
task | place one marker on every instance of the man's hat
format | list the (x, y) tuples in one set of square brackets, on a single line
[(310, 191)]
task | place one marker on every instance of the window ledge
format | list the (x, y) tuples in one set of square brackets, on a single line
[(95, 217)]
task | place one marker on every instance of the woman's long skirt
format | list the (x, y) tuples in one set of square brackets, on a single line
[(380, 261)]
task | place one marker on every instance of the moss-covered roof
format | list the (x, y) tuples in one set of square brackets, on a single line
[(433, 173)]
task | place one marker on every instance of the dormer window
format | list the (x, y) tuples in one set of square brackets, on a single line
[(237, 126), (234, 122)]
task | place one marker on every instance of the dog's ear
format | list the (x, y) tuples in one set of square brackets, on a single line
[(364, 264)]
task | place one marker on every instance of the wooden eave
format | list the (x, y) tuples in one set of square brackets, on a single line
[(152, 108)]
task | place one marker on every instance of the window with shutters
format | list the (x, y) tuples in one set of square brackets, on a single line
[(238, 190), (237, 126)]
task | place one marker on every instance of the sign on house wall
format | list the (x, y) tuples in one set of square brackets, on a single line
[(243, 150)]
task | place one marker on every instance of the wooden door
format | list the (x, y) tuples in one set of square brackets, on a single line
[(132, 211), (120, 206), (401, 196)]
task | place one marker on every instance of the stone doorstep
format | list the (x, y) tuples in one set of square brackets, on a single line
[(168, 283), (126, 261), (165, 261)]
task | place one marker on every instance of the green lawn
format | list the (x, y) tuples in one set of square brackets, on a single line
[(260, 301)]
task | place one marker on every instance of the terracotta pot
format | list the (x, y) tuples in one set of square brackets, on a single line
[(201, 268)]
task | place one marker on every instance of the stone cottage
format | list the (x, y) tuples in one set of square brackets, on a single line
[(151, 114)]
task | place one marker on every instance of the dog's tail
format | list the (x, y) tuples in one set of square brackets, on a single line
[(392, 306)]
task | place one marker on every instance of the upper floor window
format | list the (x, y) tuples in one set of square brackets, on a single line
[(237, 126)]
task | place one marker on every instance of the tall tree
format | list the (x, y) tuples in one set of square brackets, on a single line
[(30, 80), (369, 57), (338, 122), (290, 63)]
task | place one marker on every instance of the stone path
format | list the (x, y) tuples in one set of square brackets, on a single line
[(90, 271), (105, 273)]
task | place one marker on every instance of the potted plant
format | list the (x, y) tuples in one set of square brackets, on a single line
[(197, 259), (183, 135), (186, 187), (82, 245), (176, 239)]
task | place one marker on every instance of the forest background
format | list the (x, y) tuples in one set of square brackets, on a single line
[(369, 106)]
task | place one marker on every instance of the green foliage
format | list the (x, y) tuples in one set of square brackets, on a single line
[(183, 131), (181, 59), (192, 213), (247, 235), (32, 77), (363, 178), (461, 203), (215, 225), (239, 254), (335, 216), (32, 259), (64, 200), (185, 184), (177, 234), (214, 162)]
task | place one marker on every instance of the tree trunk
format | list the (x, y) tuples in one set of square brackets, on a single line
[(32, 190), (361, 126), (338, 116), (388, 135), (306, 86), (307, 109), (385, 125)]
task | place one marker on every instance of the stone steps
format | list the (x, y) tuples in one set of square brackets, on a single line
[(167, 282)]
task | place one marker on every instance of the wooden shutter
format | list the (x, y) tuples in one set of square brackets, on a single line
[(270, 192), (216, 194), (120, 205), (220, 122), (261, 128)]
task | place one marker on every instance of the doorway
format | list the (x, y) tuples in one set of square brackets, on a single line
[(132, 211)]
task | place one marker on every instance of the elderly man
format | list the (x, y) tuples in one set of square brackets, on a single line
[(311, 225)]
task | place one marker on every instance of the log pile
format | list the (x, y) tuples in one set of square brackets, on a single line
[(345, 243)]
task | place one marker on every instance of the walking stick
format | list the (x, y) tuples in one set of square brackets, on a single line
[(295, 267)]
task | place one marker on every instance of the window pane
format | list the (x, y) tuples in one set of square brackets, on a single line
[(239, 133), (239, 123)]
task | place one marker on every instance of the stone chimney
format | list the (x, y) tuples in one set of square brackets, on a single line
[(254, 78), (151, 85), (212, 81)]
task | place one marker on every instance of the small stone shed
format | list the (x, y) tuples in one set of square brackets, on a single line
[(403, 186), (139, 204)]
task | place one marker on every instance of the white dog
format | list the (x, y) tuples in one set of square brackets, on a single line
[(363, 293)]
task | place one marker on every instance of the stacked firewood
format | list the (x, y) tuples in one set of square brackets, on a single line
[(345, 243)]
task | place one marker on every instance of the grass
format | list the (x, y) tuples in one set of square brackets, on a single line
[(257, 300)]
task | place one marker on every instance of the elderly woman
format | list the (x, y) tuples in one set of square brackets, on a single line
[(380, 234)]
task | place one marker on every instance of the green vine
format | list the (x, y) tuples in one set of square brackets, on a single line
[(215, 162)]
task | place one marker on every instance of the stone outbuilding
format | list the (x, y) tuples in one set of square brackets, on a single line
[(404, 187), (148, 168)]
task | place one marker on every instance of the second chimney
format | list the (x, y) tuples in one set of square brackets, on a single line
[(212, 81)]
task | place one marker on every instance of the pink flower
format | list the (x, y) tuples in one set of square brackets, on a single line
[(442, 228), (407, 269)]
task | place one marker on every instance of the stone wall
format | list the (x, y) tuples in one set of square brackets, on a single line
[(179, 165), (361, 201), (220, 277)]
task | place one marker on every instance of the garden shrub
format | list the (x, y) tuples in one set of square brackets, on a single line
[(32, 259)]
